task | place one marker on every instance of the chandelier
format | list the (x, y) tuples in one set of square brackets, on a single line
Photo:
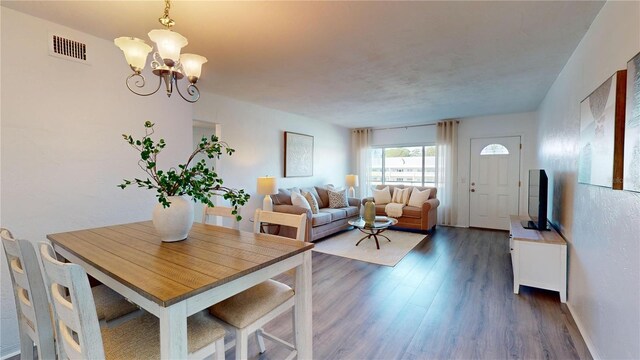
[(167, 62)]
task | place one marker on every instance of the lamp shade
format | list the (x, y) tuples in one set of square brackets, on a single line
[(169, 44), (135, 51), (352, 180), (267, 185), (192, 65)]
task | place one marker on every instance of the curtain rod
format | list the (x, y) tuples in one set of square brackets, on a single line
[(409, 126)]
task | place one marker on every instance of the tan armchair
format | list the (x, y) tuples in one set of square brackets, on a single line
[(421, 218)]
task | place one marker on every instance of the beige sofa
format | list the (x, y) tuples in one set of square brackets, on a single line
[(420, 218), (328, 221)]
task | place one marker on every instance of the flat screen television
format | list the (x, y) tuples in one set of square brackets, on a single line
[(538, 188)]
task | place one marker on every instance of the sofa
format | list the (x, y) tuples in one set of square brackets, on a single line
[(326, 222), (420, 218)]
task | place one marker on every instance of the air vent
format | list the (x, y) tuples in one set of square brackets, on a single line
[(65, 48)]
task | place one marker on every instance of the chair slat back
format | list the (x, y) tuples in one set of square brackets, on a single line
[(220, 211), (32, 303), (296, 221), (75, 315)]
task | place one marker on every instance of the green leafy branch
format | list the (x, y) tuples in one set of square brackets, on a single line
[(198, 181)]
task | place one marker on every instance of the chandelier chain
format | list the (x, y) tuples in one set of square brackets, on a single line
[(165, 20)]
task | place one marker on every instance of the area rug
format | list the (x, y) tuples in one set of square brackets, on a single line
[(390, 253)]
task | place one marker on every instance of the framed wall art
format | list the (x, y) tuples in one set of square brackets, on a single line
[(298, 154), (602, 116), (632, 127)]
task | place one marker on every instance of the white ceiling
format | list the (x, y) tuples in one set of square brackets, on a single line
[(359, 63)]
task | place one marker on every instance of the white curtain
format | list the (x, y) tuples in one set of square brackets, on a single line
[(361, 146), (447, 172)]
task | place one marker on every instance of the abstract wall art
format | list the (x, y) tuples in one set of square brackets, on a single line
[(298, 155), (632, 127), (602, 116)]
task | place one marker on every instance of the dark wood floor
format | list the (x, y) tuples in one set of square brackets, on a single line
[(450, 298)]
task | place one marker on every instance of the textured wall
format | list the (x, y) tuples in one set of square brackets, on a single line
[(62, 149), (601, 225), (257, 134)]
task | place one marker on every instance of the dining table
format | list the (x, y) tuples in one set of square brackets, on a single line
[(173, 280)]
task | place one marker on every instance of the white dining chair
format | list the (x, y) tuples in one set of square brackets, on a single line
[(32, 304), (249, 310), (220, 212), (82, 338)]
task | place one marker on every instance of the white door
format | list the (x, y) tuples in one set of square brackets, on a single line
[(494, 181)]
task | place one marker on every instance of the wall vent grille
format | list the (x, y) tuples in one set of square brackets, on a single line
[(69, 49)]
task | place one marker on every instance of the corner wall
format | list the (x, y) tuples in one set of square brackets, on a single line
[(62, 150), (601, 225), (257, 134)]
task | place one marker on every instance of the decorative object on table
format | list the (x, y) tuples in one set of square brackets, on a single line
[(631, 172), (267, 186), (298, 155), (173, 215), (369, 212), (352, 183), (167, 62), (602, 134)]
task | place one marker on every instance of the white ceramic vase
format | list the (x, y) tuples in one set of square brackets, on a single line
[(173, 223)]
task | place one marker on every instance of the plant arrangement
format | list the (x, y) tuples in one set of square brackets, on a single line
[(198, 181)]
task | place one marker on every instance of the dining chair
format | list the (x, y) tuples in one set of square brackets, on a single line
[(32, 304), (82, 338), (249, 310), (220, 211)]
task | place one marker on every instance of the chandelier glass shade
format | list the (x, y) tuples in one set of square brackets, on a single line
[(167, 62)]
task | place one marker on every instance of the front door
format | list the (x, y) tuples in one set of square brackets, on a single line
[(494, 181)]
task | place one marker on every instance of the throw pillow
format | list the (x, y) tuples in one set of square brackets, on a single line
[(382, 196), (400, 196), (418, 197), (298, 200), (337, 199), (313, 203)]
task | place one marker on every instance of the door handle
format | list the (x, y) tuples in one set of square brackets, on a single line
[(473, 190)]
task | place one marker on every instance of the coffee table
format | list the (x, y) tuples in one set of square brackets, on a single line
[(373, 231)]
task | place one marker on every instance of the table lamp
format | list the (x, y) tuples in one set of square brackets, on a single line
[(267, 186), (352, 181)]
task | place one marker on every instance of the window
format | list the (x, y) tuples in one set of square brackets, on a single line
[(494, 149), (408, 165)]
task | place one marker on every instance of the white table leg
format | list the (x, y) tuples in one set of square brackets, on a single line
[(303, 309), (173, 331)]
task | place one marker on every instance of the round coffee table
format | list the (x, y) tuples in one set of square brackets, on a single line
[(373, 231)]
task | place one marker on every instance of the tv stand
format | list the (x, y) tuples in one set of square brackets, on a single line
[(528, 224), (539, 258)]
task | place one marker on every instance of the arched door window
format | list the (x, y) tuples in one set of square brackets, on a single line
[(494, 149)]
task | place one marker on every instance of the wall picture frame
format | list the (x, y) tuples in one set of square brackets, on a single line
[(631, 173), (298, 154), (602, 121)]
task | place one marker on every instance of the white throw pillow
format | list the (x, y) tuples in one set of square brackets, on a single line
[(382, 196), (298, 200), (418, 197), (401, 196)]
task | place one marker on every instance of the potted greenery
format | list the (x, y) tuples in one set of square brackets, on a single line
[(173, 215)]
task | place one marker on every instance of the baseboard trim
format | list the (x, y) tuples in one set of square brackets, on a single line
[(10, 351), (587, 340)]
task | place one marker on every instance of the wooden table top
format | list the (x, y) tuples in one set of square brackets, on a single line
[(166, 273)]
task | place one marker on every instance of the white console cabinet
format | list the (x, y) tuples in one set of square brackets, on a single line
[(539, 258)]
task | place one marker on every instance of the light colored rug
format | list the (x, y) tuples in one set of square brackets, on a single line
[(390, 253)]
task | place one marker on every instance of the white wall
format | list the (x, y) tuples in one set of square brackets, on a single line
[(522, 124), (257, 134), (411, 135), (62, 150), (601, 225)]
